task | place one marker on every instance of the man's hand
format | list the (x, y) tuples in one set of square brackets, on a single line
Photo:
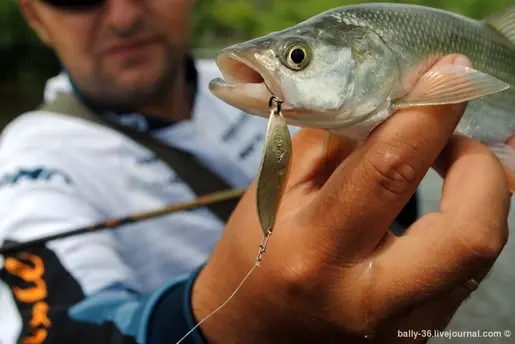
[(333, 273)]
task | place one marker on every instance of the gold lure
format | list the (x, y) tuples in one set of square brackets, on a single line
[(275, 167)]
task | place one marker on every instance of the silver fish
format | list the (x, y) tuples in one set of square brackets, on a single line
[(348, 69)]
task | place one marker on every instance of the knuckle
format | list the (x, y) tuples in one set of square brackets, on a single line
[(483, 242), (300, 277), (392, 172)]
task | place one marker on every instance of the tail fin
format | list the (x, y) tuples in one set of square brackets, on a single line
[(506, 154), (504, 23)]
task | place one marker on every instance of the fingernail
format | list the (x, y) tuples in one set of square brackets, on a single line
[(461, 60)]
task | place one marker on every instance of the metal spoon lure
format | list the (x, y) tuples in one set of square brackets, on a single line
[(275, 167)]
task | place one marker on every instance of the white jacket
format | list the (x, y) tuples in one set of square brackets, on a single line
[(58, 173)]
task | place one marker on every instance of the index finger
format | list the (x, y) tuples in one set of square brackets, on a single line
[(366, 193)]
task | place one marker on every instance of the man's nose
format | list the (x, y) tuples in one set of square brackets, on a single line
[(125, 17)]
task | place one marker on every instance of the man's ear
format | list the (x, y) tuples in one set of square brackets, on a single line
[(31, 14)]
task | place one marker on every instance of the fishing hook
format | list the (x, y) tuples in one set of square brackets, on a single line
[(274, 103)]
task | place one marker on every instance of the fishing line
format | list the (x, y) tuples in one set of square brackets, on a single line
[(271, 181), (259, 257)]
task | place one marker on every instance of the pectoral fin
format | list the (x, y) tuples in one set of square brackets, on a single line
[(450, 84), (506, 155)]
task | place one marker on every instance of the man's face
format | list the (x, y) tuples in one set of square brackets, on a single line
[(124, 52)]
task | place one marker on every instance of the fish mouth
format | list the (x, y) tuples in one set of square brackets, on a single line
[(245, 84)]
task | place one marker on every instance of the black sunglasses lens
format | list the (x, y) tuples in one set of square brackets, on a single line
[(74, 4)]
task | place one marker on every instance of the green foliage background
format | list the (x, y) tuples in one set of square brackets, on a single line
[(222, 20), (26, 63)]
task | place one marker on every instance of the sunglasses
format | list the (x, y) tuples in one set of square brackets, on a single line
[(74, 5)]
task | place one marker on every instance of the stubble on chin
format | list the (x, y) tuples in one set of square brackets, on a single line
[(106, 90)]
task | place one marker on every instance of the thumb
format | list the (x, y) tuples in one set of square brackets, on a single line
[(316, 154)]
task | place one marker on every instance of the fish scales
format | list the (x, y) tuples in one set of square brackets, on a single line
[(348, 69), (417, 33)]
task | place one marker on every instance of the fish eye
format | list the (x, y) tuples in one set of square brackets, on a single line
[(297, 56)]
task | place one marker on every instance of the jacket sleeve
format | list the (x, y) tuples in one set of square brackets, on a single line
[(78, 289)]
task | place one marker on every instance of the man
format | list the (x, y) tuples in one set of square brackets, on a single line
[(324, 278)]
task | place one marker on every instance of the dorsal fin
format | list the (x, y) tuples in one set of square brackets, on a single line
[(504, 22)]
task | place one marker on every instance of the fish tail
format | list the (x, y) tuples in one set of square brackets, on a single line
[(504, 23), (506, 155)]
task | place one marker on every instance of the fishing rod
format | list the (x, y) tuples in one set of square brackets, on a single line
[(111, 223)]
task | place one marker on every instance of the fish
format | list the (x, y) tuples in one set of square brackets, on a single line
[(348, 69)]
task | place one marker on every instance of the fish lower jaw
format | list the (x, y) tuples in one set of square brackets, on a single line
[(248, 97)]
